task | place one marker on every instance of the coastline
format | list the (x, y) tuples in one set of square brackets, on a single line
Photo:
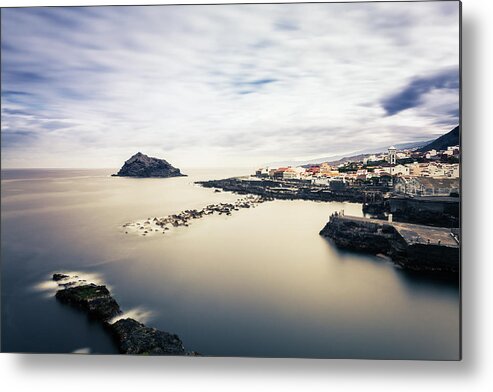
[(415, 247)]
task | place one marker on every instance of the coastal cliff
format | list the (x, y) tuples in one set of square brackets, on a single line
[(143, 166)]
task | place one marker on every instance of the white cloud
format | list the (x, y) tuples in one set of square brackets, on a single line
[(205, 85)]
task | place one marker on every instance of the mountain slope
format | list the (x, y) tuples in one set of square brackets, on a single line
[(353, 156), (451, 138)]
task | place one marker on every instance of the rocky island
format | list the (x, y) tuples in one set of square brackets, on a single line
[(131, 336), (143, 166)]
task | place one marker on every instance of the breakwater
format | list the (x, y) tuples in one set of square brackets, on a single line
[(414, 247), (131, 336), (150, 226), (288, 189)]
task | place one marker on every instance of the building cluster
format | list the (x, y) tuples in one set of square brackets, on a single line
[(406, 171)]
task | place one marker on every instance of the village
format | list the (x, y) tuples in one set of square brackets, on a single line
[(413, 186), (430, 173)]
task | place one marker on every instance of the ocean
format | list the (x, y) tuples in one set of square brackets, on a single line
[(258, 283)]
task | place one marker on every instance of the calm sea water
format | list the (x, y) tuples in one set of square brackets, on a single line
[(261, 282)]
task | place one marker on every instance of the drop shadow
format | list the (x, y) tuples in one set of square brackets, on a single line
[(109, 366)]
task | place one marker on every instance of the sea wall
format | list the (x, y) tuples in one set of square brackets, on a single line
[(361, 235), (432, 211), (413, 247)]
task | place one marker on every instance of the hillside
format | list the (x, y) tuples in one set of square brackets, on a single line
[(354, 156), (451, 138)]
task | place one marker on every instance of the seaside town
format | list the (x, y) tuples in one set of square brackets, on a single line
[(410, 200), (410, 172), (391, 182)]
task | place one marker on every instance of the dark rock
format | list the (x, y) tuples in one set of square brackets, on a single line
[(284, 190), (131, 336), (57, 277), (94, 299), (358, 235), (135, 338), (404, 247), (141, 165)]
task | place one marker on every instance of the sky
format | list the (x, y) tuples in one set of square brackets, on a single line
[(224, 85)]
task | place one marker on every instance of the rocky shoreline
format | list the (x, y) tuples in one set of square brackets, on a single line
[(285, 190), (131, 336)]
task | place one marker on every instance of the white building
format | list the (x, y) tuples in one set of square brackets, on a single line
[(451, 170), (431, 153), (414, 169), (371, 158), (396, 170), (426, 186), (452, 150), (262, 172), (290, 174), (392, 155), (321, 181)]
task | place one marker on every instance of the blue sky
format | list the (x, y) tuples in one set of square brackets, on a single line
[(224, 85)]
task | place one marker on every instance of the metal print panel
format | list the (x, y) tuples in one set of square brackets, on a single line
[(263, 180)]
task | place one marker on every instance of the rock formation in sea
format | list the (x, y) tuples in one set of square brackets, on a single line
[(94, 299), (131, 336), (135, 338), (141, 165)]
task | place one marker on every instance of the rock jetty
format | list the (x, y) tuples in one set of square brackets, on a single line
[(161, 225), (143, 166), (131, 336)]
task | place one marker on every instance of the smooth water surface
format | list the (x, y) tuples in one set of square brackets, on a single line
[(261, 282)]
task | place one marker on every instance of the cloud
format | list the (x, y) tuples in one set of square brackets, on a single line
[(19, 137), (411, 96), (285, 25), (230, 85)]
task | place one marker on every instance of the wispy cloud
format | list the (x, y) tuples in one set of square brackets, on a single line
[(236, 85)]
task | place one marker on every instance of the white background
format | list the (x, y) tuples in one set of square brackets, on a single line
[(473, 373)]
